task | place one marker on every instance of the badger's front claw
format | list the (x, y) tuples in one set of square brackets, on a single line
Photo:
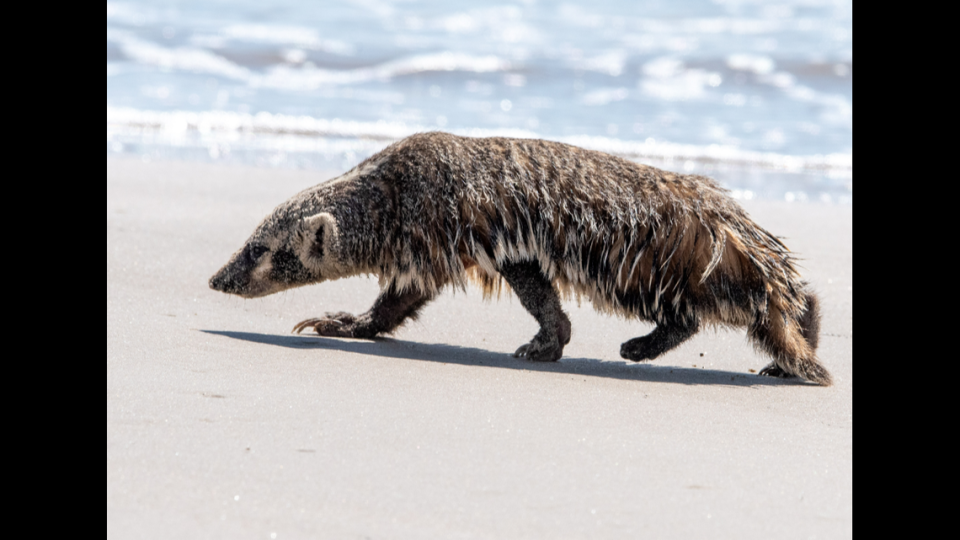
[(331, 324), (324, 327), (340, 324), (540, 350)]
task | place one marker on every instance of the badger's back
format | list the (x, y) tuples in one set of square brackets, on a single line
[(636, 240)]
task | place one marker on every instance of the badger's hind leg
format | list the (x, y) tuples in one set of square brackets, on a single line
[(540, 298), (666, 336), (389, 311), (773, 370), (792, 342)]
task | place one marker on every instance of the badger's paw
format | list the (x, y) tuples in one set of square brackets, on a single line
[(339, 324), (325, 327), (638, 349), (773, 370), (341, 316), (540, 350)]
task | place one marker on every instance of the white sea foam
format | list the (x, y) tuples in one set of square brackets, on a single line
[(751, 62), (838, 163), (839, 110), (311, 78), (180, 58), (121, 120), (122, 12), (499, 23), (602, 96), (286, 35), (610, 62), (667, 78), (585, 17), (305, 77), (714, 25)]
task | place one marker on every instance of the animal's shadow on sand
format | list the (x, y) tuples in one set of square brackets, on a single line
[(470, 356)]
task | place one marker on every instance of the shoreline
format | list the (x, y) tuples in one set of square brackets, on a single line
[(220, 423)]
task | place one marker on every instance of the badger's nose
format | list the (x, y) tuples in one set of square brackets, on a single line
[(221, 282), (216, 283)]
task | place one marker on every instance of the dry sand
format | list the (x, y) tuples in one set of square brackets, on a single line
[(221, 424)]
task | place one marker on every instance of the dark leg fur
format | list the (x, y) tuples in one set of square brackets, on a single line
[(786, 364), (540, 298), (790, 358), (388, 312), (666, 336)]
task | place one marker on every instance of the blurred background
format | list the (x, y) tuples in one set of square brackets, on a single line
[(757, 94)]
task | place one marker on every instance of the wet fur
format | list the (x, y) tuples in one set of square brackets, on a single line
[(437, 210)]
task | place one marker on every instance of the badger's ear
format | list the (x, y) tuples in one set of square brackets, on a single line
[(319, 236)]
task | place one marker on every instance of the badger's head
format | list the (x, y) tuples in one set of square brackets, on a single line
[(285, 251)]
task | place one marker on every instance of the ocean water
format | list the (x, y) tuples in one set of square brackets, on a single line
[(757, 94)]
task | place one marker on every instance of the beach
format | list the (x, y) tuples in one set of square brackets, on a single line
[(223, 424)]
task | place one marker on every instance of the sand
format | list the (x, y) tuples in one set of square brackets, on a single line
[(222, 424)]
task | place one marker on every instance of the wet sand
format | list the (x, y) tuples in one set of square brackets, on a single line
[(222, 424)]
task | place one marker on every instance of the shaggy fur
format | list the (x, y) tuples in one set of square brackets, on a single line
[(437, 210)]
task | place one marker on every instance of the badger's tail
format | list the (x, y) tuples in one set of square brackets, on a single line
[(791, 336), (810, 320)]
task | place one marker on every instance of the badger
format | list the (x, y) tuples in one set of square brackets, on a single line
[(437, 210)]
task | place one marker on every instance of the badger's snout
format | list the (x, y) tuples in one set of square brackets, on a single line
[(227, 282), (243, 276)]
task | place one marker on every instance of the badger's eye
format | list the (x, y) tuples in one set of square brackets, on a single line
[(255, 252)]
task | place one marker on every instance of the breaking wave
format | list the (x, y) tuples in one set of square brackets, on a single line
[(226, 126), (306, 77)]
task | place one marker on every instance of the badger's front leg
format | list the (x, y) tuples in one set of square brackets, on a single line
[(389, 311), (666, 336), (540, 298)]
